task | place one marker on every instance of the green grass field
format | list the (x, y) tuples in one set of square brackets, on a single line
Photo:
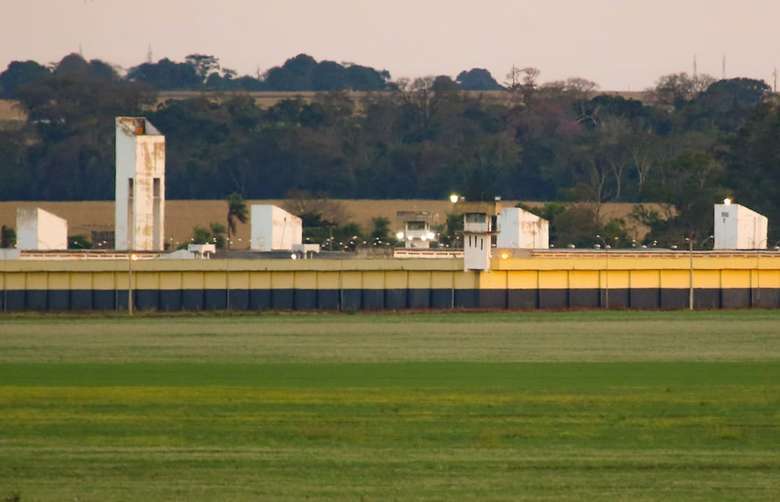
[(590, 405)]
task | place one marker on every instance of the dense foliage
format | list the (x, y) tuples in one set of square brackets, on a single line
[(695, 142)]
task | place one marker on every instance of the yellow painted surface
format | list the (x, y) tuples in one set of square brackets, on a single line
[(495, 279), (618, 279), (192, 280), (442, 280), (81, 280), (585, 279), (239, 280), (522, 279), (37, 280), (104, 281), (327, 280), (396, 280), (259, 280), (735, 279), (644, 279), (214, 280), (466, 280), (147, 280), (59, 280), (305, 280), (708, 279), (373, 280), (419, 280), (351, 280), (283, 280), (553, 279), (769, 279), (170, 281), (675, 279)]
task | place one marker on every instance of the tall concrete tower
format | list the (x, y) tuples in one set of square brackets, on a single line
[(139, 214)]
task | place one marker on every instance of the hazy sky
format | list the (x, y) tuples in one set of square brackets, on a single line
[(620, 44)]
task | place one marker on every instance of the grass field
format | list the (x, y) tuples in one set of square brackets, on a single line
[(589, 405)]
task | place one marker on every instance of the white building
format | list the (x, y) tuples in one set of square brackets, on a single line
[(274, 229), (519, 229), (139, 215), (417, 233), (477, 234), (39, 230), (737, 227)]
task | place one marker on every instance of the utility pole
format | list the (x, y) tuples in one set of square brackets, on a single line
[(723, 68), (149, 55), (695, 67)]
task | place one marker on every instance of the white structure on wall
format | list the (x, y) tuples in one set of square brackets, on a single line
[(39, 230), (139, 213), (520, 229), (274, 229), (477, 234), (417, 233), (737, 227)]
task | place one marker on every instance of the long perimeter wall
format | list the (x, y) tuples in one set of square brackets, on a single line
[(538, 280)]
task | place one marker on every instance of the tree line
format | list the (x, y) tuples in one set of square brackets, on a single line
[(696, 141)]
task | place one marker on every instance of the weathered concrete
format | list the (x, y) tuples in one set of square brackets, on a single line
[(39, 230), (140, 185)]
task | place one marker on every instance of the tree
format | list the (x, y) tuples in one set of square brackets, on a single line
[(165, 75), (678, 89), (477, 79), (7, 237), (19, 74), (203, 65), (215, 234), (237, 211)]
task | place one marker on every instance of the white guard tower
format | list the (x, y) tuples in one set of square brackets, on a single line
[(737, 227), (140, 185), (519, 229), (477, 234), (417, 232)]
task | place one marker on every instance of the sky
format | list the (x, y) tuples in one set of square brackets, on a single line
[(622, 45)]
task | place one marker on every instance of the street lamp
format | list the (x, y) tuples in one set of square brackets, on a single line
[(130, 259), (606, 248), (690, 242), (454, 198)]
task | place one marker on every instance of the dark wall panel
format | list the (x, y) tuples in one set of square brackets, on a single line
[(80, 299), (553, 298), (767, 298), (283, 299), (170, 300), (373, 299), (645, 298), (147, 299), (735, 298), (328, 299), (588, 298), (522, 298), (466, 298), (260, 299), (59, 299), (619, 298), (492, 298), (14, 300), (351, 299), (395, 299), (705, 299), (36, 300), (214, 299), (305, 299), (442, 298), (192, 299), (104, 299), (674, 298), (239, 299), (419, 298)]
